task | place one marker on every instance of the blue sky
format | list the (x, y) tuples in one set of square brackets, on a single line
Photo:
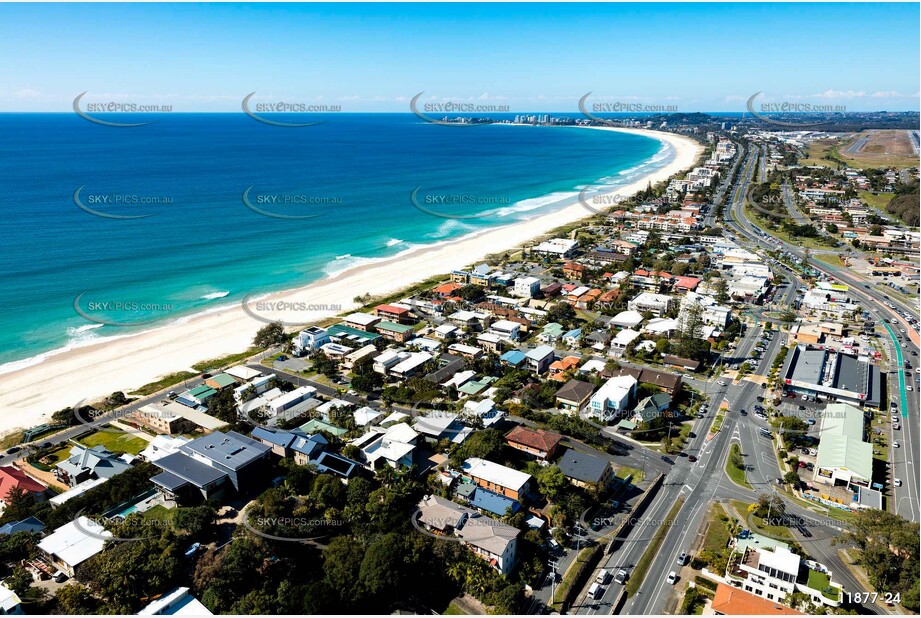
[(530, 57)]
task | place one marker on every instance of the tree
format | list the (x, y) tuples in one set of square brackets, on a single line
[(550, 481), (270, 335), (721, 289), (364, 378), (75, 599), (831, 228), (342, 560)]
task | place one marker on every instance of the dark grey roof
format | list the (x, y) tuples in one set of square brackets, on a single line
[(169, 481), (449, 366), (231, 449), (855, 375), (806, 365), (182, 466), (583, 466), (575, 390)]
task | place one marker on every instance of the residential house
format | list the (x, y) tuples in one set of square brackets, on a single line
[(361, 321), (73, 544), (539, 359), (651, 407), (15, 480), (493, 540), (537, 442), (400, 314), (574, 395), (498, 478), (178, 601), (585, 469), (88, 463), (612, 399), (310, 339)]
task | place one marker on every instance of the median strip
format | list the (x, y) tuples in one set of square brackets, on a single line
[(639, 573)]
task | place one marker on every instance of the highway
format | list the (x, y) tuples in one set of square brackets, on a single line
[(903, 460)]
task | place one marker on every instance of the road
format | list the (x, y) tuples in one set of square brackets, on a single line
[(903, 460)]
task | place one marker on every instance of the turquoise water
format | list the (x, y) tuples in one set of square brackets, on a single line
[(199, 246)]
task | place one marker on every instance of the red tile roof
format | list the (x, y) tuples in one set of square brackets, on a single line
[(730, 601), (11, 477), (537, 439)]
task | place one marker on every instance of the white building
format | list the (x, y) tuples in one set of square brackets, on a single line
[(526, 287), (613, 398), (561, 247), (658, 304), (506, 329), (310, 339)]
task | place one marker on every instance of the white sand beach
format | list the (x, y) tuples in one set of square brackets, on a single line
[(29, 395)]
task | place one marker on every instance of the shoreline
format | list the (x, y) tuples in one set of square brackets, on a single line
[(30, 394)]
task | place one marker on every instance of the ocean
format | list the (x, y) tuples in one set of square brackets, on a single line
[(111, 230)]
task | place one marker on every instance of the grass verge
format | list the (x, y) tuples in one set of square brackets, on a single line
[(736, 474)]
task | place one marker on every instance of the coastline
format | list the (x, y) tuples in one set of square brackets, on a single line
[(29, 395)]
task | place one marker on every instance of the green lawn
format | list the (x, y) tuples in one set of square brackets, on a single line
[(822, 582), (736, 474), (164, 382), (59, 455), (454, 610), (636, 475), (116, 441), (718, 534)]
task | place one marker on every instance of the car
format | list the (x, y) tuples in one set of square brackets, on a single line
[(692, 458), (12, 450), (810, 466), (667, 460), (46, 445), (791, 395), (802, 407), (172, 395), (895, 445), (691, 434), (805, 397), (60, 577), (595, 591), (897, 482), (805, 451), (896, 427), (909, 387), (810, 421), (802, 464), (682, 559), (602, 577), (721, 383), (894, 418), (621, 577), (672, 578)]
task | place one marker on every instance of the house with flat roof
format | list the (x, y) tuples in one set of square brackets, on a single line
[(498, 478), (177, 602), (310, 339), (490, 539), (208, 466), (613, 398), (361, 321), (73, 544), (538, 360)]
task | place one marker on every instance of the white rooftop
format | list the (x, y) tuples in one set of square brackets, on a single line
[(496, 473), (75, 542)]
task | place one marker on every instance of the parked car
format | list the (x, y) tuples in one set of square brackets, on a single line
[(692, 458), (682, 559), (897, 482), (672, 578)]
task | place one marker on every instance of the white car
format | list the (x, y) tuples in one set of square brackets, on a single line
[(908, 387), (897, 482), (721, 383), (672, 578), (895, 445)]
